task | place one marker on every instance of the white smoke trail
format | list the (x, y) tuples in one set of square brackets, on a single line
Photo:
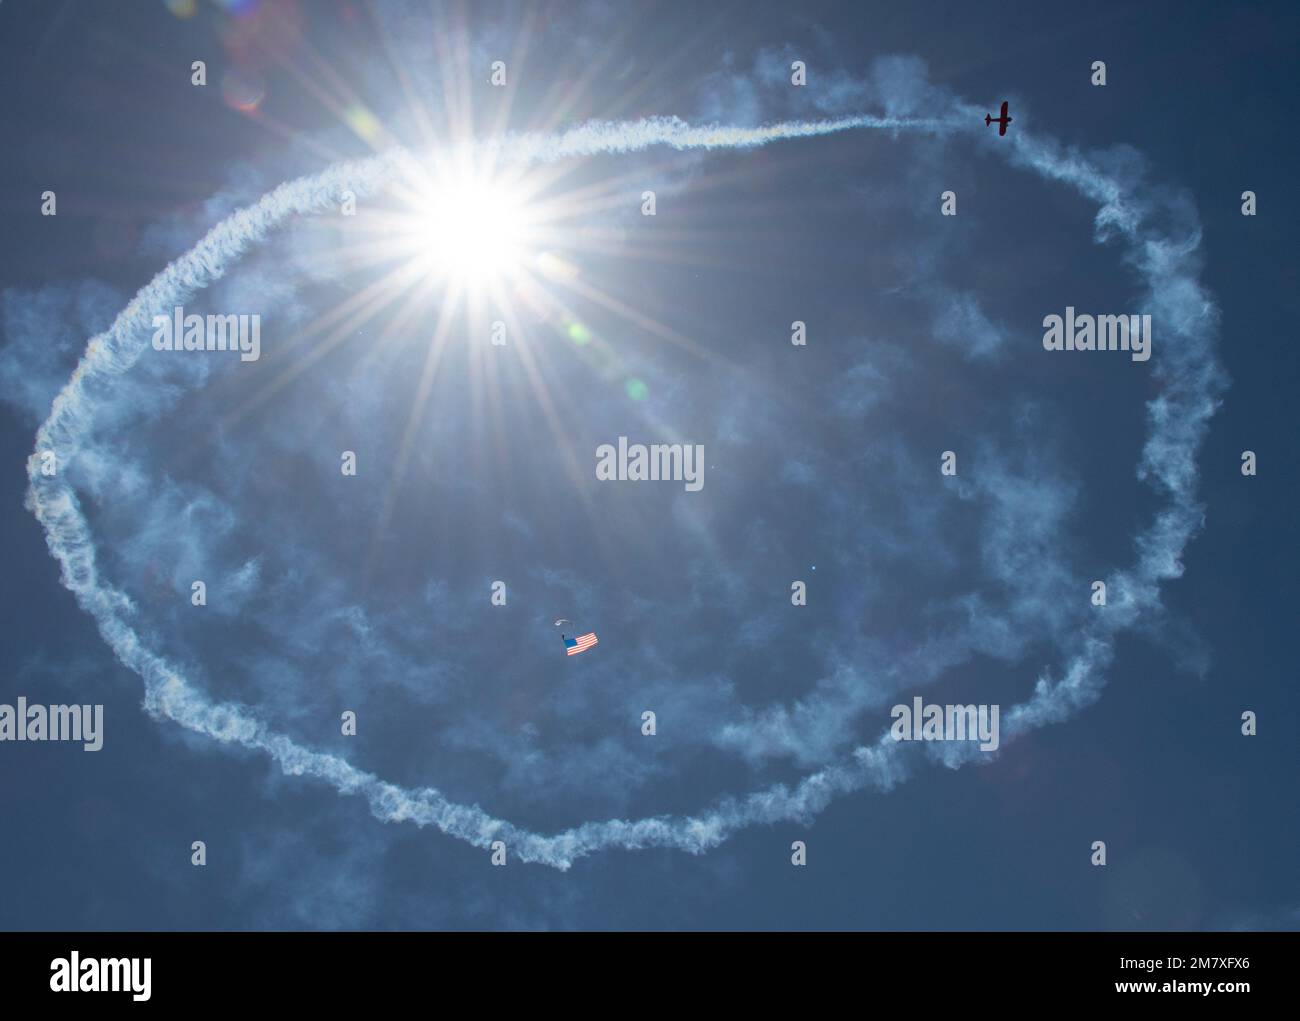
[(1178, 418)]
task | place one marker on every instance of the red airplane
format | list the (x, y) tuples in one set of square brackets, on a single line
[(1001, 121)]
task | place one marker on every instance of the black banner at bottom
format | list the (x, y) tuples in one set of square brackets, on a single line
[(336, 970)]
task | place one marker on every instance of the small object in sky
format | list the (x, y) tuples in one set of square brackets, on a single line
[(563, 620), (1001, 121), (573, 646)]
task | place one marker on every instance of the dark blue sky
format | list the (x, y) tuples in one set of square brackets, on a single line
[(371, 593)]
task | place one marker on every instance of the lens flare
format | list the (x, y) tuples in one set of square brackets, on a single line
[(471, 230)]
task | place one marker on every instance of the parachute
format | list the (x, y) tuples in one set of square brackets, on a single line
[(574, 646)]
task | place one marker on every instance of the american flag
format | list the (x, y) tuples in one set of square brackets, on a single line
[(582, 644)]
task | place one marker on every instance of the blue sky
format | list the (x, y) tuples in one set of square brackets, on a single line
[(371, 593)]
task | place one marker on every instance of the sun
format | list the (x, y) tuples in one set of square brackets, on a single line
[(471, 230)]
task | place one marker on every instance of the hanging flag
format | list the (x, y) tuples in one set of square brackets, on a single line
[(581, 644)]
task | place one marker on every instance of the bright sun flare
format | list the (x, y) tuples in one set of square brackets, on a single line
[(473, 231)]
